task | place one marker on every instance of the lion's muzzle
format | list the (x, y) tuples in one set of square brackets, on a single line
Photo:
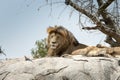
[(53, 45)]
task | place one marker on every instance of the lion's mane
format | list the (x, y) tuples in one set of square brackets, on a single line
[(68, 44)]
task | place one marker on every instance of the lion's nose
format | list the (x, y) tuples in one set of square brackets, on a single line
[(53, 42)]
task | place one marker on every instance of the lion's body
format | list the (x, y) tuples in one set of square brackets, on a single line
[(61, 41), (98, 51)]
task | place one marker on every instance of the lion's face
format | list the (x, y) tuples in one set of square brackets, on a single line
[(55, 40)]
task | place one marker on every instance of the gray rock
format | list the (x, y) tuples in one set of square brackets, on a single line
[(58, 68)]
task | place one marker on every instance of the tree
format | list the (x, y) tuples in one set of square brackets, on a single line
[(1, 51), (40, 50), (104, 14)]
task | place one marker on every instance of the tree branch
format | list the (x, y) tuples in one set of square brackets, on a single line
[(108, 31), (100, 2), (83, 11), (105, 5), (105, 28), (107, 19), (90, 28), (112, 43)]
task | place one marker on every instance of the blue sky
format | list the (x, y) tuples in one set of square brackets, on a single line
[(21, 24)]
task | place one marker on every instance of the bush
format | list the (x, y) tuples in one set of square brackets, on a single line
[(40, 50)]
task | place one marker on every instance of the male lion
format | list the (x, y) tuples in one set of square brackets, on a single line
[(61, 41)]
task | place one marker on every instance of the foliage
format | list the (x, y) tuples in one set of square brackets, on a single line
[(40, 50)]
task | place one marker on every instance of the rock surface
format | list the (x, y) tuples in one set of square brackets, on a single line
[(58, 68)]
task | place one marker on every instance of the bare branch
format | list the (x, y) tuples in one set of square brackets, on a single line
[(90, 28), (105, 5), (60, 2), (62, 11), (103, 12), (108, 27), (112, 43), (100, 2), (109, 31), (83, 11)]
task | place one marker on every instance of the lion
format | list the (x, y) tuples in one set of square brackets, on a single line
[(60, 41), (95, 51)]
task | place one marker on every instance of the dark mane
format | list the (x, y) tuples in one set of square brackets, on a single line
[(69, 44)]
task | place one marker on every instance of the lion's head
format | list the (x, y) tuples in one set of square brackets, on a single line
[(60, 41)]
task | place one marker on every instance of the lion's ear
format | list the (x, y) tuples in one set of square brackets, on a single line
[(50, 29)]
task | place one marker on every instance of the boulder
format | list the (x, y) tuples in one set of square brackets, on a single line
[(59, 68)]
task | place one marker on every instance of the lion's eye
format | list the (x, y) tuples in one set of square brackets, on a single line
[(51, 36), (58, 37)]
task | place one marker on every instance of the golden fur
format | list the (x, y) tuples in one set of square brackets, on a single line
[(61, 41), (98, 51)]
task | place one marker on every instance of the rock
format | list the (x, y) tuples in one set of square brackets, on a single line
[(58, 68)]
